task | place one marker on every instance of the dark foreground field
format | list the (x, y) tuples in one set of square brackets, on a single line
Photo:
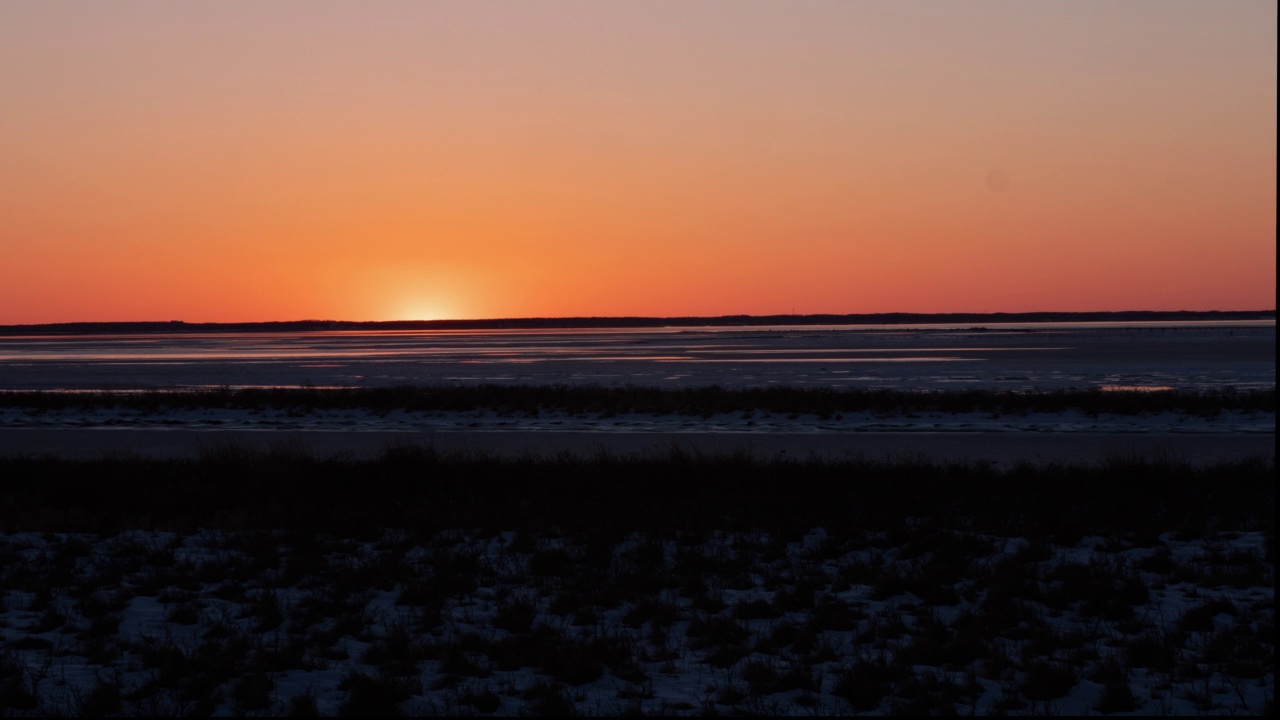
[(247, 582)]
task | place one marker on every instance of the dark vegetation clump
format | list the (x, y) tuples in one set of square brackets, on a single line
[(695, 401), (235, 488)]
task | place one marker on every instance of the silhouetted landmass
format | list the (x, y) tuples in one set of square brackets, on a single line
[(178, 326)]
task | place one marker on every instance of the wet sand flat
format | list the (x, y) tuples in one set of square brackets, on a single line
[(1017, 357)]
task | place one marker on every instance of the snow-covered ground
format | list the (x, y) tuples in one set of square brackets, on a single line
[(482, 623)]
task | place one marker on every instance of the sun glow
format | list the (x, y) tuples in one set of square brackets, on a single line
[(423, 310), (203, 161), (414, 293)]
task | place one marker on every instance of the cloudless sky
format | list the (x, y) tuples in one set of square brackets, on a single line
[(240, 161)]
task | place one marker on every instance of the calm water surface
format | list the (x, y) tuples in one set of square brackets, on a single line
[(1007, 356)]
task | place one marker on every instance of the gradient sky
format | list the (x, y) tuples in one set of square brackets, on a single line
[(241, 161)]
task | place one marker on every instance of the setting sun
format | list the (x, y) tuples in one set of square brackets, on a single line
[(423, 311)]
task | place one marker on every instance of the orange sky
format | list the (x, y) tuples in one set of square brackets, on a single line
[(240, 161)]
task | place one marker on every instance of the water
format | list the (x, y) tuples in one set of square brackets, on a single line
[(1014, 356)]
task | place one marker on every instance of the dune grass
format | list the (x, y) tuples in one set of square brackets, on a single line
[(285, 488)]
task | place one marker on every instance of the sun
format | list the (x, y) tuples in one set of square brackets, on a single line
[(408, 293), (416, 305), (423, 310)]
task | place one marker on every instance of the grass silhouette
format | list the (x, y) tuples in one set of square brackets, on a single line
[(708, 400), (235, 487)]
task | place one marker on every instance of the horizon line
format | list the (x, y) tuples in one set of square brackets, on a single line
[(786, 318)]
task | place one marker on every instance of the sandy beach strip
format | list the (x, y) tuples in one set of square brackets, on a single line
[(1002, 448)]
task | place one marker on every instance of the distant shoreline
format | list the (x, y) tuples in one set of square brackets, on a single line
[(178, 326)]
